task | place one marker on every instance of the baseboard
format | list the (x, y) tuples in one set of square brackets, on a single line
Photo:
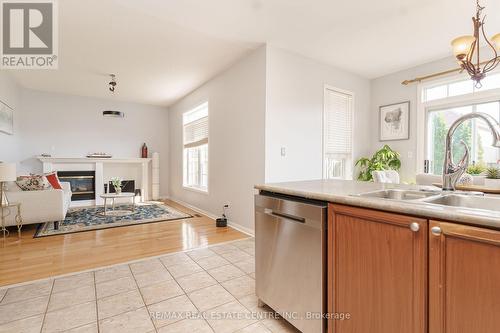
[(241, 228), (232, 224)]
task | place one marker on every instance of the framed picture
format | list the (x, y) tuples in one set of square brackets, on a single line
[(394, 122), (6, 119)]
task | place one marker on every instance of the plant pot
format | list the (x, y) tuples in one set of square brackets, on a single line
[(479, 180), (118, 190), (492, 183)]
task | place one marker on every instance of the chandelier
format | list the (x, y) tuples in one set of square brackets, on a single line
[(467, 50)]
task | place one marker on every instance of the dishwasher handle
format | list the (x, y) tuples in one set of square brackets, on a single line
[(307, 214), (284, 216)]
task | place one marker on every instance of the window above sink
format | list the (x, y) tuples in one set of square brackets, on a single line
[(440, 103)]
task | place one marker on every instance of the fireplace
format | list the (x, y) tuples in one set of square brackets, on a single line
[(82, 183)]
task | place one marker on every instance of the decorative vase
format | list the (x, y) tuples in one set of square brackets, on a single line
[(465, 180), (118, 190), (144, 151), (479, 180)]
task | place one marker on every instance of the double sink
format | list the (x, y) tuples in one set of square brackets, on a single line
[(470, 200)]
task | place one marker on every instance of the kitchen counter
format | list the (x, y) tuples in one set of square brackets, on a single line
[(346, 191)]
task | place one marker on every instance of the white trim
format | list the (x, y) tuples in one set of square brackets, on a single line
[(230, 223), (350, 173), (421, 132)]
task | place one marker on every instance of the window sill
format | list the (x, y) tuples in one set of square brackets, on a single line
[(195, 189)]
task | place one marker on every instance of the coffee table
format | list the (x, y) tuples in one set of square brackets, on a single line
[(114, 196)]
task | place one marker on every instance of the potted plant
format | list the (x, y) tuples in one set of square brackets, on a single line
[(117, 184), (492, 178), (383, 159), (477, 171)]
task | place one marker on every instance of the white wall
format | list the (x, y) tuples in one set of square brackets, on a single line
[(10, 95), (236, 100), (294, 116), (73, 126), (388, 90)]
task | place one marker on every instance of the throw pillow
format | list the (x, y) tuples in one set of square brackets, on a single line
[(33, 182), (53, 180)]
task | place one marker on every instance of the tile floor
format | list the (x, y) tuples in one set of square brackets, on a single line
[(165, 294)]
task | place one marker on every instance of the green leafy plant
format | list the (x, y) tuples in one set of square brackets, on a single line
[(476, 169), (493, 173), (383, 159)]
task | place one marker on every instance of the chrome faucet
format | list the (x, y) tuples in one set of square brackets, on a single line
[(451, 171)]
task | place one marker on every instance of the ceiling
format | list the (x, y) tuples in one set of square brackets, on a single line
[(163, 49)]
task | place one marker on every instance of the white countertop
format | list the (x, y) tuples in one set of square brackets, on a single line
[(345, 191)]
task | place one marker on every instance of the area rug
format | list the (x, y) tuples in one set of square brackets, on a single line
[(92, 218)]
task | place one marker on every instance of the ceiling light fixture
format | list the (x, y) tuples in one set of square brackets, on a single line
[(466, 49), (112, 83)]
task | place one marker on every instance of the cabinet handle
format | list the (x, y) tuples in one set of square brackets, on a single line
[(436, 231), (414, 226)]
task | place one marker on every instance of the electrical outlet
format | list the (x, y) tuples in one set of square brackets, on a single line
[(283, 151)]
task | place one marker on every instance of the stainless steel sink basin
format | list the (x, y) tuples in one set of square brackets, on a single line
[(466, 201), (395, 194)]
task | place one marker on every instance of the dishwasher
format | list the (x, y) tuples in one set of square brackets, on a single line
[(290, 258)]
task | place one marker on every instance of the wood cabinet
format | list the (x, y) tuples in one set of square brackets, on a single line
[(377, 271), (464, 279)]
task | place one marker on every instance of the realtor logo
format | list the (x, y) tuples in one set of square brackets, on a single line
[(29, 34)]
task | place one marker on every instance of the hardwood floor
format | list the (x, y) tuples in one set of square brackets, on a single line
[(29, 258)]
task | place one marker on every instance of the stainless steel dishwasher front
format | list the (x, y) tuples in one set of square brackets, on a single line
[(290, 259)]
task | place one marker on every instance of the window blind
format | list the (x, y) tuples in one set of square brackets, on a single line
[(196, 133), (337, 123), (196, 127)]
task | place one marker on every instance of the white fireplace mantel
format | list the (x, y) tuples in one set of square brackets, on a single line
[(51, 164), (91, 160)]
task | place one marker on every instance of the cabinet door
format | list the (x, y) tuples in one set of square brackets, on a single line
[(377, 269), (464, 279)]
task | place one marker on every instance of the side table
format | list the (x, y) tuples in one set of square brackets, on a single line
[(18, 217)]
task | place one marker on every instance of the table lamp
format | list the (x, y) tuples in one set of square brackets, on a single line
[(7, 174)]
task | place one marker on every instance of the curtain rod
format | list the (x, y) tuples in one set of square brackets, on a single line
[(431, 76)]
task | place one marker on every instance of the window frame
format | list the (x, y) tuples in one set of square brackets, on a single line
[(349, 167), (424, 108), (197, 189)]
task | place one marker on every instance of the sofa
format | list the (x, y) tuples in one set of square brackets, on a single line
[(49, 205)]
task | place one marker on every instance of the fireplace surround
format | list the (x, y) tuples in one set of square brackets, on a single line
[(137, 169), (82, 183)]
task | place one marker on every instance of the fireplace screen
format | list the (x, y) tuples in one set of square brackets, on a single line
[(82, 183)]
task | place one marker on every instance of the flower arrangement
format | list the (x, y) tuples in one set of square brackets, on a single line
[(117, 184)]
